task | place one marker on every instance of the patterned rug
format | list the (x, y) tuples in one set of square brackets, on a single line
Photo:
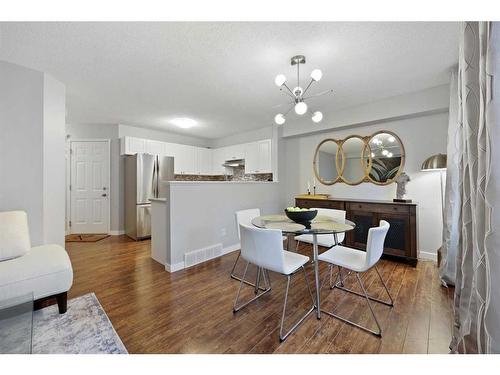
[(83, 329), (85, 237)]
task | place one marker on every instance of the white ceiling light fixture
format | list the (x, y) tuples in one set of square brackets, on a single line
[(317, 116), (279, 119), (184, 122), (298, 93)]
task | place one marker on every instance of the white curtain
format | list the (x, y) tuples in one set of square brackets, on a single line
[(472, 231)]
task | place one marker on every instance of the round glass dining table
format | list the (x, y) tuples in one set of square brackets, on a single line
[(320, 225)]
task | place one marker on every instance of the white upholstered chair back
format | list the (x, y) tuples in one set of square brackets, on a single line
[(262, 247), (375, 243), (334, 214), (245, 217)]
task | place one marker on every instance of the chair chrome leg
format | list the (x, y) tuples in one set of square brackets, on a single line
[(283, 336), (376, 333), (297, 246), (370, 306), (341, 287), (385, 287), (233, 276), (235, 262), (238, 308), (257, 280)]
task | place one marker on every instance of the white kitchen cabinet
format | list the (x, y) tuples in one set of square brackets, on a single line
[(218, 158), (258, 157), (155, 147), (265, 163), (251, 157), (204, 160), (234, 152), (185, 160), (132, 146)]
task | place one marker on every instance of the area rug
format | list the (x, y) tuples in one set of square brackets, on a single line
[(85, 237), (83, 329)]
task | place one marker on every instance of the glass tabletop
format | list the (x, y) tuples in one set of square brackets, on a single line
[(16, 325), (319, 225)]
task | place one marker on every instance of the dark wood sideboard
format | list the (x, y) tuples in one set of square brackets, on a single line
[(401, 240)]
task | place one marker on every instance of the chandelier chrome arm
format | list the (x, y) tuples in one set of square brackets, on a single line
[(293, 105), (287, 93), (291, 92), (307, 88), (320, 94)]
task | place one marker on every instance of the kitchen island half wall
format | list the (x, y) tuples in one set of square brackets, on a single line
[(200, 218)]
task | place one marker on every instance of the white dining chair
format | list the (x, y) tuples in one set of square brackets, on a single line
[(264, 248), (358, 261), (325, 240), (245, 217)]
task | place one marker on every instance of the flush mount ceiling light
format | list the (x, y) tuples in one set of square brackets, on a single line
[(184, 122), (298, 93)]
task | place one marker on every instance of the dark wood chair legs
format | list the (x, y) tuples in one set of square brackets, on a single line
[(61, 298), (62, 302)]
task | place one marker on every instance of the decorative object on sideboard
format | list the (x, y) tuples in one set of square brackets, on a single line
[(401, 182), (378, 158), (297, 95)]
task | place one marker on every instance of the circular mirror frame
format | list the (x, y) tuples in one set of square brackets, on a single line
[(315, 162), (364, 140), (401, 165), (340, 165)]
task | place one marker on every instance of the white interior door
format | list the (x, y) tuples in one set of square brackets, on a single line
[(89, 187)]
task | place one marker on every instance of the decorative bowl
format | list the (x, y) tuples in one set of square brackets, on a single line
[(301, 217)]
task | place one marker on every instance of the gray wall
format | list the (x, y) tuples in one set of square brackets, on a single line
[(422, 136), (32, 112), (249, 136)]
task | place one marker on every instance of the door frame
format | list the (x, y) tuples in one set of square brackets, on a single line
[(68, 179)]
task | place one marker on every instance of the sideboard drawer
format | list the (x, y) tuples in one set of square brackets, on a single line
[(319, 203), (377, 207)]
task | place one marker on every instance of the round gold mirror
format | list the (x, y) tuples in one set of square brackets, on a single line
[(355, 160), (325, 162), (387, 157)]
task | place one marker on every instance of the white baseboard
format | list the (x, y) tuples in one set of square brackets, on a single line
[(116, 232), (180, 266), (231, 248), (174, 267), (425, 255)]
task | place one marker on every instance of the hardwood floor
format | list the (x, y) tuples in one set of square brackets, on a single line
[(190, 311)]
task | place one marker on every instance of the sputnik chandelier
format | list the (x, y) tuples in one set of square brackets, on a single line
[(298, 93)]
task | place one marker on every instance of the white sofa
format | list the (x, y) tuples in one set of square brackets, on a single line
[(44, 270)]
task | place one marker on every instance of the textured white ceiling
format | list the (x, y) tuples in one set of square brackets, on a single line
[(222, 74)]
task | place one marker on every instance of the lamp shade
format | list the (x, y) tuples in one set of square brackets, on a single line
[(434, 162)]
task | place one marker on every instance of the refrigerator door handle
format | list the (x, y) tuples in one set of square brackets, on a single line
[(157, 177)]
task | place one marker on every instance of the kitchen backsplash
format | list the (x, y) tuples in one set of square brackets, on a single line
[(238, 175)]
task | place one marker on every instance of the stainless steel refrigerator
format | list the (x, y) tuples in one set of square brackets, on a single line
[(143, 176)]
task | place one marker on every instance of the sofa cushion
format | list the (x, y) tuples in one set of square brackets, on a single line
[(46, 270), (14, 234)]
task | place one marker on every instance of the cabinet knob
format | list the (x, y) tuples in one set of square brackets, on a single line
[(104, 195)]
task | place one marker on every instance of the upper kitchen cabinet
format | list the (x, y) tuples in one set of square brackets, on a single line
[(185, 160), (258, 157), (218, 159), (234, 152), (155, 147), (204, 160), (132, 146)]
